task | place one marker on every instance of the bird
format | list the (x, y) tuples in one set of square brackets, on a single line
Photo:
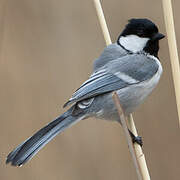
[(130, 66)]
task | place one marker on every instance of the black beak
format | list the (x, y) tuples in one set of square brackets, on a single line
[(158, 36)]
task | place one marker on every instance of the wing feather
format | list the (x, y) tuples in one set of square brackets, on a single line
[(117, 74), (100, 85)]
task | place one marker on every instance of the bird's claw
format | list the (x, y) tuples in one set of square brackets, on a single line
[(138, 140)]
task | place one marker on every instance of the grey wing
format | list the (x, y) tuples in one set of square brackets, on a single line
[(137, 66), (110, 53), (98, 83), (115, 75)]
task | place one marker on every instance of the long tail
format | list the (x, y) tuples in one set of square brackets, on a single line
[(26, 150)]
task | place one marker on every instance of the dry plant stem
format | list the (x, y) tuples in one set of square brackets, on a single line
[(126, 132), (139, 153), (168, 17), (102, 21), (138, 149)]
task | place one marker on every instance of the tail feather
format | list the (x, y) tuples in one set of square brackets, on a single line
[(26, 150)]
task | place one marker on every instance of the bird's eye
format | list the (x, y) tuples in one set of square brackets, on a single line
[(140, 33)]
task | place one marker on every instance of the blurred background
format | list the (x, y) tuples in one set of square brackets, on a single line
[(46, 51)]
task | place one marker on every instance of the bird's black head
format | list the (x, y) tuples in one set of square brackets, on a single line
[(141, 35)]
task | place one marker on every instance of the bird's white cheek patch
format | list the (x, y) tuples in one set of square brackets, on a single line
[(133, 43)]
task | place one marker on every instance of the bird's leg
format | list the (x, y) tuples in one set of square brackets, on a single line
[(136, 139)]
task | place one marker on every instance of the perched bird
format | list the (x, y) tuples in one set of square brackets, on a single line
[(129, 66)]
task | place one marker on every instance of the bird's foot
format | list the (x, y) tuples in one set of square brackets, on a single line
[(136, 139)]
